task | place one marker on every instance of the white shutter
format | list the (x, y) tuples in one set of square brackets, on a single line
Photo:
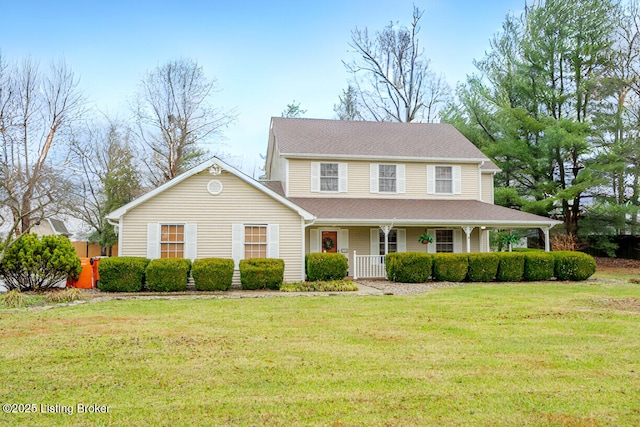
[(401, 235), (374, 240), (400, 179), (237, 243), (343, 242), (153, 240), (191, 241), (343, 177), (456, 172), (314, 240), (431, 179), (431, 247), (273, 239), (457, 241), (315, 177), (373, 178)]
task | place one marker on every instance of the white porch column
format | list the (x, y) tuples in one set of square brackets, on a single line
[(467, 231), (547, 244), (386, 229)]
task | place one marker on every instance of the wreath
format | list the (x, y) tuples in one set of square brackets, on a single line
[(328, 243)]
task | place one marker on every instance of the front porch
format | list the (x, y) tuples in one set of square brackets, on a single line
[(366, 246)]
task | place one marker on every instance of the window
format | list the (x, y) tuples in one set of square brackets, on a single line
[(444, 240), (393, 242), (387, 178), (255, 241), (444, 179), (172, 241), (329, 177)]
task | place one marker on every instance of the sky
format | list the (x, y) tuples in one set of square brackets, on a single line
[(263, 54)]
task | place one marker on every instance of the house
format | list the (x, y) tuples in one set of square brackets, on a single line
[(50, 227), (358, 188)]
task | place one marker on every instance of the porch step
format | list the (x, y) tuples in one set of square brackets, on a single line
[(191, 284)]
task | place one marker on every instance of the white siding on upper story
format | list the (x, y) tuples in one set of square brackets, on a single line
[(487, 187), (359, 181), (189, 202)]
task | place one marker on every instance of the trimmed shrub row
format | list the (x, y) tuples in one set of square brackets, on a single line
[(414, 267)]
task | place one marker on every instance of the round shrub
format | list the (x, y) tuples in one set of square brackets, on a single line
[(483, 267), (212, 274), (408, 267), (122, 274), (167, 275), (450, 267), (510, 266), (573, 265), (326, 266), (261, 273), (538, 265), (34, 264)]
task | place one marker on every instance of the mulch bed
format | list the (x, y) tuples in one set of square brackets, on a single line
[(617, 263)]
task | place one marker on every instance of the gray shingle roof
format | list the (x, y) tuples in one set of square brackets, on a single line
[(343, 138), (427, 212)]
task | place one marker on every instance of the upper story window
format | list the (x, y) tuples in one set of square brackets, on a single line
[(444, 179), (387, 178), (172, 241), (329, 177)]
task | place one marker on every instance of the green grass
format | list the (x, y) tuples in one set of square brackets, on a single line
[(530, 354)]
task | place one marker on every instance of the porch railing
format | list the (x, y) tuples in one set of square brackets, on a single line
[(368, 266)]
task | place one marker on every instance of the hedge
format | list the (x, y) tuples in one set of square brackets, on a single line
[(408, 267), (538, 265), (167, 274), (212, 274), (122, 274), (573, 265), (449, 267), (261, 273), (326, 266), (510, 267), (483, 267)]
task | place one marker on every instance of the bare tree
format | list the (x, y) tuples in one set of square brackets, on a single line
[(175, 117), (347, 106), (392, 75), (103, 157), (35, 111)]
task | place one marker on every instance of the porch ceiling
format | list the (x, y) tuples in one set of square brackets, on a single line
[(417, 212)]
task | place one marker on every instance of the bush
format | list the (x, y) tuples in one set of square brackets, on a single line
[(573, 265), (326, 266), (34, 264), (450, 267), (483, 267), (320, 286), (510, 266), (167, 274), (408, 267), (261, 273), (122, 274), (212, 274), (538, 265)]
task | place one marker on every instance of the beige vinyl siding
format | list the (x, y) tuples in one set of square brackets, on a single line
[(487, 187), (189, 202), (359, 183)]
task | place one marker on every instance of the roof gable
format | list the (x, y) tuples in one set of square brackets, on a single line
[(115, 215), (361, 139)]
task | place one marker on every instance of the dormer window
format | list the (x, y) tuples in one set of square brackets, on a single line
[(329, 177)]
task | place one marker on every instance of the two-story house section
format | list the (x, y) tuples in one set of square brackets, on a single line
[(362, 189), (376, 187)]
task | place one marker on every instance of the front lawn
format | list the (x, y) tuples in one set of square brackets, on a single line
[(525, 354)]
